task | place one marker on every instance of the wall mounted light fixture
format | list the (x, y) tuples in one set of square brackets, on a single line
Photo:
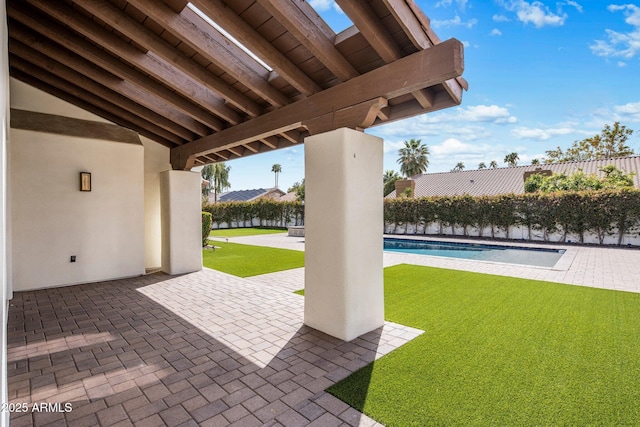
[(85, 181)]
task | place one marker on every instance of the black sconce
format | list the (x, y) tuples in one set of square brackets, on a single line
[(85, 181)]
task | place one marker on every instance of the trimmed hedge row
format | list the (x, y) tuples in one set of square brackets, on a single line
[(206, 228), (266, 212), (602, 213)]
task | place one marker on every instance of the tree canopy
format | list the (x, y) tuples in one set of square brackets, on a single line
[(389, 181), (511, 159), (458, 167), (611, 142), (413, 158), (276, 169), (218, 176), (298, 188), (579, 181)]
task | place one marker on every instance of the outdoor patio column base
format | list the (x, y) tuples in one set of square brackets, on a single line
[(343, 227), (181, 221)]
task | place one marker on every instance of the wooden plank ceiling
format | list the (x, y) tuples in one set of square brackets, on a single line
[(164, 70)]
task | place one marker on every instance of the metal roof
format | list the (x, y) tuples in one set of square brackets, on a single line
[(487, 182)]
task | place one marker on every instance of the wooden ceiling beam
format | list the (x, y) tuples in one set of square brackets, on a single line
[(221, 14), (236, 150), (148, 62), (119, 20), (270, 141), (422, 69), (168, 102), (292, 136), (182, 125), (365, 19), (58, 75), (291, 14), (212, 45), (410, 24), (254, 147), (416, 26), (63, 94), (378, 37)]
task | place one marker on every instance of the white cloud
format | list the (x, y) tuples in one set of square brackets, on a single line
[(535, 13), (453, 146), (622, 64), (454, 22), (462, 4), (538, 134), (495, 32), (625, 45), (628, 112), (486, 114), (500, 18), (574, 4)]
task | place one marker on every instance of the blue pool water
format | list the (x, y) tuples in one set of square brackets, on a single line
[(509, 254)]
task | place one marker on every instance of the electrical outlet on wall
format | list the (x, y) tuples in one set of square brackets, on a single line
[(73, 258)]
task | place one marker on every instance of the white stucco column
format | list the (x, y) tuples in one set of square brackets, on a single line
[(181, 221), (344, 295)]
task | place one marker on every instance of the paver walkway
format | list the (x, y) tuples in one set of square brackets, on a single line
[(204, 349)]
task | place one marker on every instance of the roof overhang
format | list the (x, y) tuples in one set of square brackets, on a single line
[(264, 76)]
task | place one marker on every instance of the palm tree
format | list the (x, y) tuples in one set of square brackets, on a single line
[(535, 161), (482, 165), (413, 158), (493, 164), (458, 167), (220, 179), (389, 180), (276, 169), (511, 159), (207, 174)]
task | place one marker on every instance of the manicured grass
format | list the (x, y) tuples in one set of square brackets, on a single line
[(247, 260), (502, 351), (237, 232)]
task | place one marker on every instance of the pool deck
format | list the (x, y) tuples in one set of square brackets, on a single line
[(208, 348), (598, 267)]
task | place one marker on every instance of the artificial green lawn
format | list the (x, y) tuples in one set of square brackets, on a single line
[(502, 351), (247, 260), (237, 232)]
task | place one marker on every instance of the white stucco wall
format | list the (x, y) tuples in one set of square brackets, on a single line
[(4, 131), (156, 160), (25, 97), (181, 208), (53, 220), (344, 294)]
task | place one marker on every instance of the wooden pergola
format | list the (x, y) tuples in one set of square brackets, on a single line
[(216, 80)]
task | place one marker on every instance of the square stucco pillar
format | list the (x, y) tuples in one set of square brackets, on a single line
[(181, 221), (344, 295)]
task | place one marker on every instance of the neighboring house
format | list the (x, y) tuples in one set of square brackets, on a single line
[(487, 182), (249, 195), (291, 196)]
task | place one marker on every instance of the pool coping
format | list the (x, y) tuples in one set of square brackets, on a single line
[(563, 264)]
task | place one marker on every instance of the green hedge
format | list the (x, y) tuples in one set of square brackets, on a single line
[(601, 213), (206, 228), (267, 212)]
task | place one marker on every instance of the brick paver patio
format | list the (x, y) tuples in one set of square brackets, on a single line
[(213, 349), (204, 349)]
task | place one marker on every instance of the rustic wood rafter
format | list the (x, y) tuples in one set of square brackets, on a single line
[(162, 70)]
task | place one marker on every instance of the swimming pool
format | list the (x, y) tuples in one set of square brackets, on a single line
[(540, 257)]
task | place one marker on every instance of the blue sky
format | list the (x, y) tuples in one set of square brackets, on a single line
[(541, 74)]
